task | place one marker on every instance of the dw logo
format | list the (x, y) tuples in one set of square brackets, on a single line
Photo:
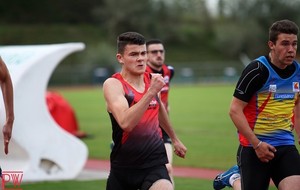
[(11, 180)]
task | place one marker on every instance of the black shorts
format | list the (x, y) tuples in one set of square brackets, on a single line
[(256, 174), (165, 137), (142, 179)]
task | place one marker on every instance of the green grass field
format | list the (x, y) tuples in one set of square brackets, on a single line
[(199, 114), (181, 184)]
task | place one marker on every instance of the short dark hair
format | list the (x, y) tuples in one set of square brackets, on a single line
[(282, 26), (129, 38), (153, 41)]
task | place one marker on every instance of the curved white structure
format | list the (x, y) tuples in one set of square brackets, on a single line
[(39, 148)]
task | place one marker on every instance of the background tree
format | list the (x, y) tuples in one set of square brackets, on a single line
[(192, 34), (243, 24)]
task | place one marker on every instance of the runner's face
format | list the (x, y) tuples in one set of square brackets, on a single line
[(284, 50), (156, 55), (134, 58)]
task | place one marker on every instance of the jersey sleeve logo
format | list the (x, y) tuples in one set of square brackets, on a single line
[(272, 88), (295, 86)]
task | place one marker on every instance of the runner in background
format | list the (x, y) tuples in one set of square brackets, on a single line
[(156, 64)]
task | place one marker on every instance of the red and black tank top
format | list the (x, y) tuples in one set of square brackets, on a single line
[(143, 146)]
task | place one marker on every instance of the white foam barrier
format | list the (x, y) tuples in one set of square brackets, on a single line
[(39, 148)]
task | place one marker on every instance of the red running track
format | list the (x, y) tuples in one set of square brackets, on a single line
[(188, 172)]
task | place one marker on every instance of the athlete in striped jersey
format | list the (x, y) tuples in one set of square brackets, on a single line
[(265, 98)]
